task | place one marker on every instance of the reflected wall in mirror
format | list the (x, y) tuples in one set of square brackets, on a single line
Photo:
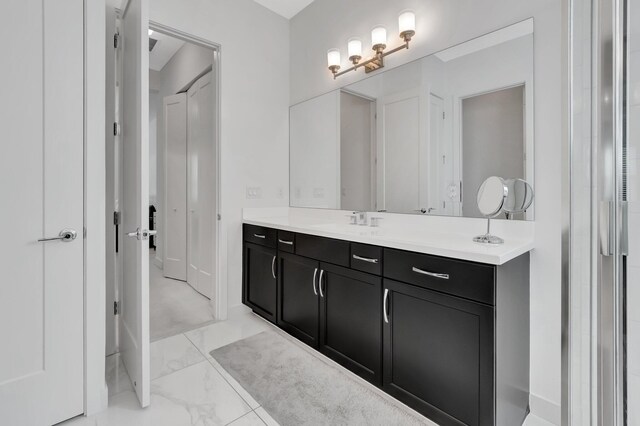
[(420, 138)]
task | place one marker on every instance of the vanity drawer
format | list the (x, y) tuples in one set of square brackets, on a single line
[(260, 235), (366, 258), (456, 277), (323, 249), (287, 241)]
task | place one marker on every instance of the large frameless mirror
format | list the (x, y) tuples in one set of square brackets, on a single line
[(421, 138)]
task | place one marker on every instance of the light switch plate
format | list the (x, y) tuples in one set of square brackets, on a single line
[(254, 192)]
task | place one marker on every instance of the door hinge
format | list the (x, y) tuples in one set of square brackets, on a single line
[(219, 216), (116, 218), (116, 128), (443, 115), (116, 40), (115, 308)]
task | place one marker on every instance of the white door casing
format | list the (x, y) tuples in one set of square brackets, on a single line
[(134, 315), (41, 184), (175, 214)]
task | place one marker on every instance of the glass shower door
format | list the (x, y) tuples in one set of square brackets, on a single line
[(631, 194)]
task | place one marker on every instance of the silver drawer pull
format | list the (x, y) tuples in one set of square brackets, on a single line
[(273, 267), (260, 236), (431, 274), (365, 259), (289, 243), (314, 281), (385, 314)]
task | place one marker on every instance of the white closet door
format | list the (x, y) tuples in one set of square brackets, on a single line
[(201, 199), (175, 229), (207, 186), (41, 187), (193, 147)]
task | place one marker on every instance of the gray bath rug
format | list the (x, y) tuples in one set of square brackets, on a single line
[(297, 388)]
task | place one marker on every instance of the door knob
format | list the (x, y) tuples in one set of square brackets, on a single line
[(66, 235), (141, 234)]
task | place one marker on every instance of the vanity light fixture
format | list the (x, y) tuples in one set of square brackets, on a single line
[(407, 29)]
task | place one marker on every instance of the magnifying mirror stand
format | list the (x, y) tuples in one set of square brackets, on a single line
[(488, 238)]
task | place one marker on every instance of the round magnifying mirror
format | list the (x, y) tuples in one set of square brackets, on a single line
[(519, 197), (491, 196)]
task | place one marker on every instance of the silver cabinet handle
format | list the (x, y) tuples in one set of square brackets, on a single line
[(66, 236), (320, 282), (431, 274), (365, 259), (314, 281), (289, 243), (273, 267), (385, 314), (260, 236)]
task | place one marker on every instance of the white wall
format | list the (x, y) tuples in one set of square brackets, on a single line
[(315, 148), (254, 108), (440, 24)]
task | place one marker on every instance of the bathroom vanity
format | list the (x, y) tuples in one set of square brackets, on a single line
[(441, 325)]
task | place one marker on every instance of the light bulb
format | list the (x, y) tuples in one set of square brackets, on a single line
[(333, 58), (355, 50), (407, 25), (379, 38)]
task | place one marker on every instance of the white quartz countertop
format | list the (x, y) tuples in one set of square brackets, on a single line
[(453, 245)]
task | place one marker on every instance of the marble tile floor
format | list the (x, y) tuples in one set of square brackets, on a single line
[(188, 386), (174, 306)]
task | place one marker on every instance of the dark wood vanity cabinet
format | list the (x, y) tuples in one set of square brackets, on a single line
[(298, 297), (438, 354), (259, 290), (350, 320), (448, 337)]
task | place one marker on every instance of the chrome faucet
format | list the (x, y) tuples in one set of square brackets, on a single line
[(361, 218)]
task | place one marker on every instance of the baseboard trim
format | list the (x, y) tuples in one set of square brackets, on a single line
[(158, 262), (545, 409)]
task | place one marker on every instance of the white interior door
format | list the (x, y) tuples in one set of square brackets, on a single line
[(193, 223), (201, 181), (134, 317), (175, 229), (207, 186), (41, 187), (399, 129)]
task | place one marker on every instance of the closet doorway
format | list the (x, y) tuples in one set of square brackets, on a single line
[(182, 184)]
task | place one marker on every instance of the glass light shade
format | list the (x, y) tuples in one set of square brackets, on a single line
[(378, 36), (407, 21), (355, 47), (333, 57)]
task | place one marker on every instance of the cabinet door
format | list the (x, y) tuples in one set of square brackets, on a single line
[(260, 280), (438, 354), (351, 320), (299, 305)]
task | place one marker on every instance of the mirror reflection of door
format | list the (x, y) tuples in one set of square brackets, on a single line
[(357, 152), (492, 141)]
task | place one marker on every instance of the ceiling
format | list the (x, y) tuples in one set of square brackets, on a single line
[(286, 8), (164, 50)]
